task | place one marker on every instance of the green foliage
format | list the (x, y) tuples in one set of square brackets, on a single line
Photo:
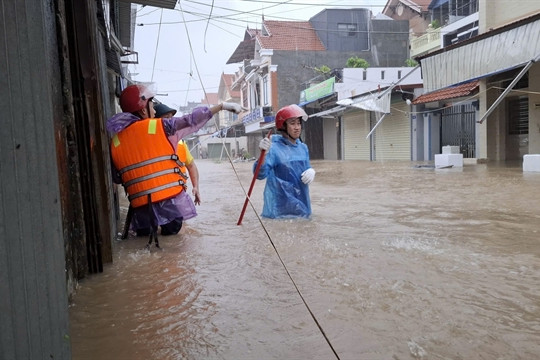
[(356, 62), (411, 62), (323, 69), (435, 24)]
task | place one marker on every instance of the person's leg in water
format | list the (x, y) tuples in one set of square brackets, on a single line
[(172, 228), (143, 232)]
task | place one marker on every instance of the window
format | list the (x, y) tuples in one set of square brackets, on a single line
[(265, 90), (346, 30), (255, 94), (364, 75), (245, 96), (518, 115), (382, 74)]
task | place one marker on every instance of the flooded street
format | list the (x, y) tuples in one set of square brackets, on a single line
[(397, 262)]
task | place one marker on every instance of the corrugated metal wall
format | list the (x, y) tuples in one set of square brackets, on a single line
[(393, 135), (33, 300), (356, 126)]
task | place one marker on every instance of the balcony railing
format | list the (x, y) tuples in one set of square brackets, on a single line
[(430, 41)]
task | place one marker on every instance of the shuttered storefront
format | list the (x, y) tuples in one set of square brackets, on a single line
[(355, 129), (217, 151), (393, 135)]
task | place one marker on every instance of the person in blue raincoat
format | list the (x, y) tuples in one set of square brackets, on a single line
[(286, 168)]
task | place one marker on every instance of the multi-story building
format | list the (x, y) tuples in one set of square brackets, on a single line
[(229, 136), (435, 24), (497, 77), (278, 61)]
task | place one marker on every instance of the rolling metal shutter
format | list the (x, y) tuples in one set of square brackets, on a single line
[(393, 136), (355, 129)]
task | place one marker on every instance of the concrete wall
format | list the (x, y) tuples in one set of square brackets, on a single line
[(534, 110), (390, 42), (326, 26), (494, 125), (417, 137), (495, 13)]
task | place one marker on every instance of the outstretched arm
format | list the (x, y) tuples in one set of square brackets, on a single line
[(194, 176), (232, 107)]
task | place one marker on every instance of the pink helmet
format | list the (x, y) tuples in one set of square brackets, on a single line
[(289, 112), (135, 97)]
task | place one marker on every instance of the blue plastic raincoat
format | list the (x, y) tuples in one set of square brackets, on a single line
[(285, 195)]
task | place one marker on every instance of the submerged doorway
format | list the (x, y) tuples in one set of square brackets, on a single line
[(458, 128)]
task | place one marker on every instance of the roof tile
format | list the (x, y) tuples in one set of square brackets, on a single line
[(228, 79), (448, 93), (290, 35), (210, 99)]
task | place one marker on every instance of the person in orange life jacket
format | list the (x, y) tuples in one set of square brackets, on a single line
[(143, 157), (286, 168), (182, 150)]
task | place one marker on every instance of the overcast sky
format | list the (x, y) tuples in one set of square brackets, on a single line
[(184, 51)]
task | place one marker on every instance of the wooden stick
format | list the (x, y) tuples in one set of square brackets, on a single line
[(255, 173)]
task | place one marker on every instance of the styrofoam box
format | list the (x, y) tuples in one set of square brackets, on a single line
[(531, 162), (455, 160), (450, 149)]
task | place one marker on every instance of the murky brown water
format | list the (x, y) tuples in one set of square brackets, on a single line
[(397, 263)]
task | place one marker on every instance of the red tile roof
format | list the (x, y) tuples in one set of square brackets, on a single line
[(448, 93), (246, 49), (228, 79), (210, 99), (289, 35), (251, 33)]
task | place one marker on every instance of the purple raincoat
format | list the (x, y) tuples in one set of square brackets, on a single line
[(181, 206)]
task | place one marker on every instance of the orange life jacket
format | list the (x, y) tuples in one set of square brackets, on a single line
[(147, 170), (182, 155)]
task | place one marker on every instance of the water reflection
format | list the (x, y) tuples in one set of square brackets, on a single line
[(398, 262)]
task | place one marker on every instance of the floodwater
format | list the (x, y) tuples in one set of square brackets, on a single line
[(398, 262)]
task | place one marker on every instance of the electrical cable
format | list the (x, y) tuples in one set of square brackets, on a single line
[(252, 206), (157, 44)]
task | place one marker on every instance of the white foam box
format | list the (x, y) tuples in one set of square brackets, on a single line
[(450, 149), (531, 162), (456, 160)]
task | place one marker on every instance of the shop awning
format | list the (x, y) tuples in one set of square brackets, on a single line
[(329, 112), (165, 4), (378, 102)]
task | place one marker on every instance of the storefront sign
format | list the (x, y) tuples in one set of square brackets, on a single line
[(255, 115), (318, 91)]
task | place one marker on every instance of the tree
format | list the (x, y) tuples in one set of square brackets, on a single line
[(411, 62), (356, 62), (435, 24), (324, 69)]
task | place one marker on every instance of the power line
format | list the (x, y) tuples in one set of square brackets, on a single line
[(157, 44)]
